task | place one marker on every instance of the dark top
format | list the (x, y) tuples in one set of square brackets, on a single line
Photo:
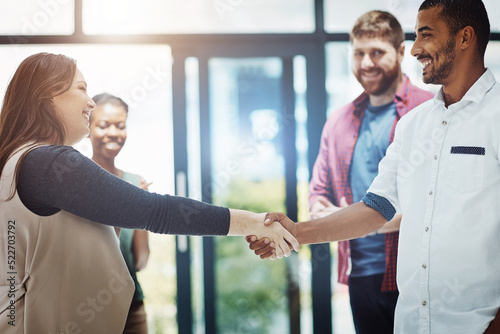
[(127, 242), (54, 178)]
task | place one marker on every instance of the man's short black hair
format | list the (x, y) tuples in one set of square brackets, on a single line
[(459, 14)]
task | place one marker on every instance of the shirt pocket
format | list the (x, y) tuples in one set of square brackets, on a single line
[(465, 170)]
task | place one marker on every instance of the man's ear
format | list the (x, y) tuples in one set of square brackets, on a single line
[(467, 36)]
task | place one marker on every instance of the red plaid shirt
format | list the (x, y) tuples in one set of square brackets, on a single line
[(330, 177)]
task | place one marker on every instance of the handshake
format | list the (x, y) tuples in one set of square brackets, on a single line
[(279, 235), (277, 239)]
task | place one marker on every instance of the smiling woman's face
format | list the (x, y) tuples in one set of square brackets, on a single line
[(108, 130), (74, 106)]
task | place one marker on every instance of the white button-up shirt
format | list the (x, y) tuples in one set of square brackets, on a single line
[(442, 173)]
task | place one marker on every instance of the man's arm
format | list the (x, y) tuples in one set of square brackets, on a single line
[(265, 248), (355, 221), (392, 225), (366, 216), (323, 207), (348, 223)]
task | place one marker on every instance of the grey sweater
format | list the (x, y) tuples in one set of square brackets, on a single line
[(54, 178)]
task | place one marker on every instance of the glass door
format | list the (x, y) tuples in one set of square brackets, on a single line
[(247, 123), (243, 116)]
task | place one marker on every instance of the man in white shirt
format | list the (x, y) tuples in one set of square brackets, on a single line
[(442, 173)]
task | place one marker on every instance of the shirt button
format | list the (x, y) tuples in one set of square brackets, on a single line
[(430, 192), (435, 157), (424, 303), (444, 122), (424, 266), (426, 229)]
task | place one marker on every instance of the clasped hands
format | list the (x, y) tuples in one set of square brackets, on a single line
[(266, 248), (276, 246)]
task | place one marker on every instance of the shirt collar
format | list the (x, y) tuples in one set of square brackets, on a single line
[(475, 94), (360, 104), (402, 94)]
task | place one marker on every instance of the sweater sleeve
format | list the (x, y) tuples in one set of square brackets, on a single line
[(54, 178)]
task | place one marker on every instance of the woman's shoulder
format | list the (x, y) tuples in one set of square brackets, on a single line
[(56, 157), (47, 152)]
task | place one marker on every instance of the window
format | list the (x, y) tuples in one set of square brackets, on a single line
[(341, 21), (491, 58), (339, 18), (37, 17), (197, 17)]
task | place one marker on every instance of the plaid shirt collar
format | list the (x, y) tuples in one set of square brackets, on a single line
[(401, 99)]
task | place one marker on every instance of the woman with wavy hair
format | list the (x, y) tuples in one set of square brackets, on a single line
[(61, 266)]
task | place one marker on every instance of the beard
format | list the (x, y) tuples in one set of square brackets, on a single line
[(439, 74), (381, 86)]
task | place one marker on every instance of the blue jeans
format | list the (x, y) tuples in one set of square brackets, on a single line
[(372, 310)]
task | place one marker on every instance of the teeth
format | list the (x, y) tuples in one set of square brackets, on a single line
[(424, 63), (112, 145)]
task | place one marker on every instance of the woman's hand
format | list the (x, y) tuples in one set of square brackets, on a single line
[(264, 226), (283, 239), (264, 247), (144, 185)]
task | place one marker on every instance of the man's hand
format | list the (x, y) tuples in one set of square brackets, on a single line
[(323, 207), (266, 248)]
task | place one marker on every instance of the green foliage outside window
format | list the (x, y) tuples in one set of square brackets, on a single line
[(251, 293)]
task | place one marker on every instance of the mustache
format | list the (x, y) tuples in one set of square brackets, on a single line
[(424, 57)]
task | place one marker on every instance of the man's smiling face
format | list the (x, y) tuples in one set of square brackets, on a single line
[(434, 46)]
